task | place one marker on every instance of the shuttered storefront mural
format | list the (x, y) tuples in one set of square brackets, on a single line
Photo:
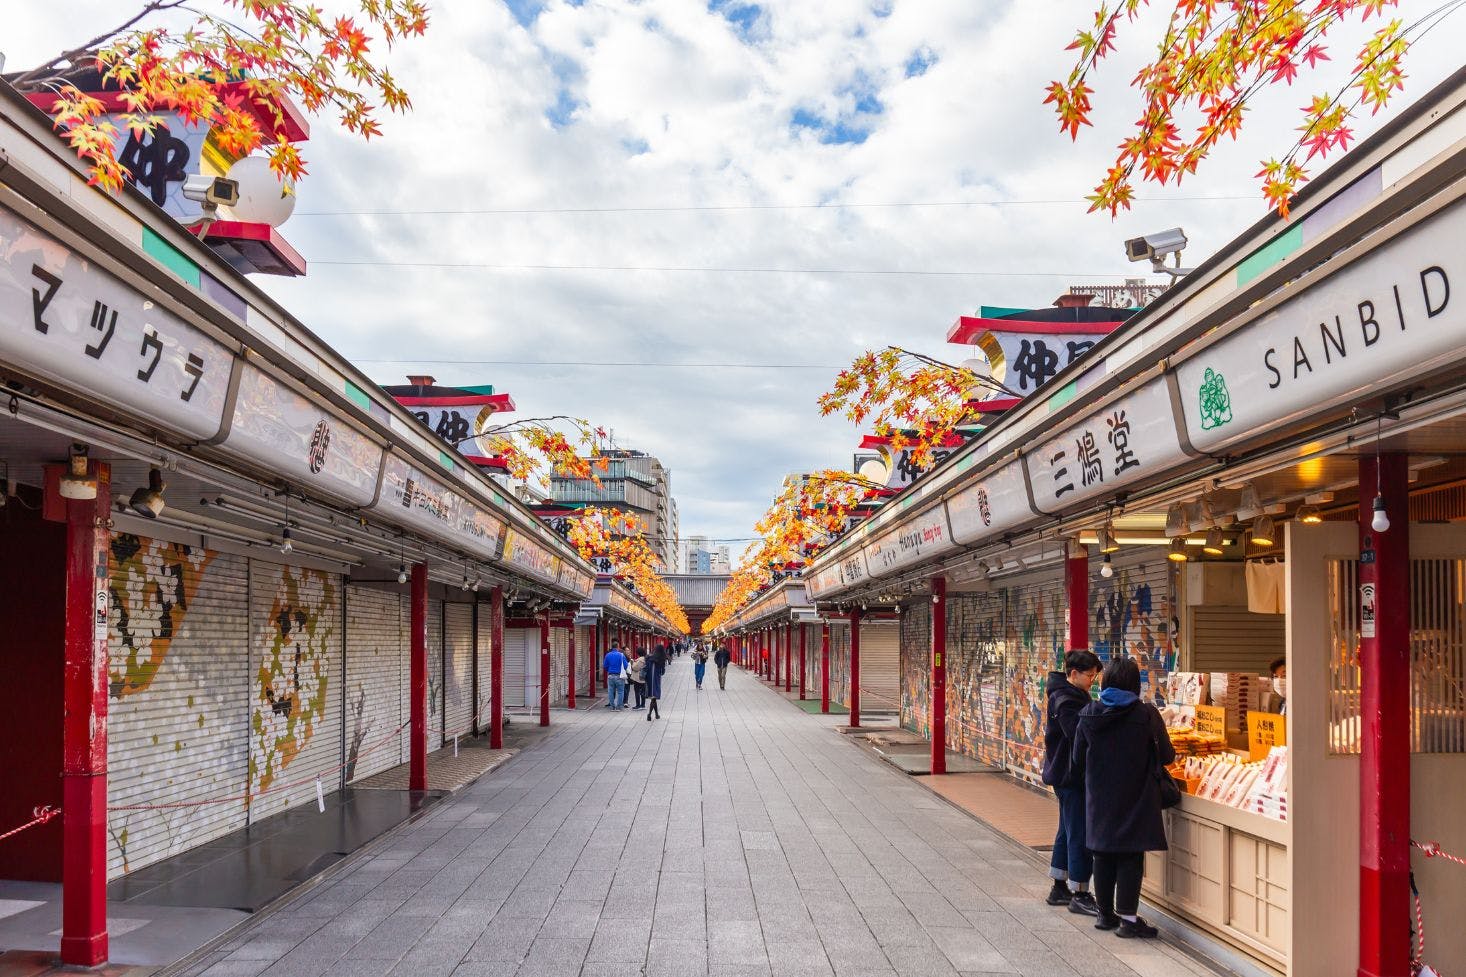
[(840, 663), (179, 684), (295, 663), (916, 625)]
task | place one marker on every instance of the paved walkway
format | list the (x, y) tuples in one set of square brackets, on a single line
[(737, 837)]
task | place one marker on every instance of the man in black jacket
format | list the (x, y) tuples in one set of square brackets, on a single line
[(721, 658), (1070, 866)]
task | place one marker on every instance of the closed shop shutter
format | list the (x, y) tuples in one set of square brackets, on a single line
[(559, 665), (485, 649), (458, 668), (1233, 639), (880, 666), (584, 658), (520, 682), (296, 674), (840, 664), (1036, 628), (977, 692), (179, 705), (376, 670), (916, 674)]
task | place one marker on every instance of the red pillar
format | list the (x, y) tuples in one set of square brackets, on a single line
[(570, 669), (854, 669), (803, 633), (496, 668), (825, 667), (84, 728), (776, 635), (1384, 758), (545, 669), (417, 755), (790, 658), (939, 674), (595, 657), (1076, 592)]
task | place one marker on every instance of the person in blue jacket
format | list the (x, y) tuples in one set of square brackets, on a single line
[(615, 665)]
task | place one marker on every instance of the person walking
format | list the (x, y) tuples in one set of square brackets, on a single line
[(615, 665), (1119, 744), (656, 665), (699, 665), (638, 678), (721, 658), (1070, 867)]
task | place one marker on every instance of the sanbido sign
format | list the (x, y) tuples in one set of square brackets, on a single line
[(1389, 314)]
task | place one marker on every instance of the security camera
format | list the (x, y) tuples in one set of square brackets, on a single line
[(213, 191), (1156, 247)]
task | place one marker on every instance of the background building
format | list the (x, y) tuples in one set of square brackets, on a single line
[(634, 482), (700, 556)]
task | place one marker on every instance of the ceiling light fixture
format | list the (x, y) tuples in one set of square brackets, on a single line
[(285, 544), (1264, 530), (1381, 521), (1107, 541), (1176, 523), (1213, 544), (1177, 552), (1308, 514), (78, 483), (148, 502)]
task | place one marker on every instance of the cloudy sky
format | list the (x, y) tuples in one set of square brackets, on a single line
[(678, 218)]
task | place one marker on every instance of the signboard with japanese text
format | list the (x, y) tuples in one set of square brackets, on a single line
[(1131, 439), (1265, 730), (158, 162), (926, 536), (827, 580), (67, 321), (1211, 722), (1025, 361), (528, 556), (1395, 311), (900, 470), (994, 505), (299, 440), (411, 497)]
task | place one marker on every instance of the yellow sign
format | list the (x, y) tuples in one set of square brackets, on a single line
[(1265, 730), (1211, 722)]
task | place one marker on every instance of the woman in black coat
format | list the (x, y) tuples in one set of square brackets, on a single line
[(1117, 745)]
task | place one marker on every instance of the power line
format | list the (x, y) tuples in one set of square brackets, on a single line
[(892, 272), (731, 208), (594, 363)]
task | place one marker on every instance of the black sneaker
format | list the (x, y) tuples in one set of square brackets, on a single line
[(1059, 894), (1107, 922), (1138, 930), (1083, 904)]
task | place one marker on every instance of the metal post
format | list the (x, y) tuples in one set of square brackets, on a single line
[(570, 669), (1076, 593), (825, 666), (84, 727), (1384, 757), (855, 669), (417, 762), (477, 699), (496, 668), (939, 674), (545, 669), (803, 634)]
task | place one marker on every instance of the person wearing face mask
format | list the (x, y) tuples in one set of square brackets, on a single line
[(1278, 700)]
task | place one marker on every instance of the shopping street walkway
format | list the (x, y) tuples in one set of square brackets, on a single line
[(736, 837)]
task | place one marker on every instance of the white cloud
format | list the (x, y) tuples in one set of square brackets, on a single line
[(674, 107)]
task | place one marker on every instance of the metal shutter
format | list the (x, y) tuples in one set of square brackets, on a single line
[(435, 674), (296, 674), (977, 692), (583, 657), (916, 673), (840, 663), (559, 665), (520, 682), (880, 666), (458, 668), (1036, 629), (376, 669), (483, 649), (178, 711)]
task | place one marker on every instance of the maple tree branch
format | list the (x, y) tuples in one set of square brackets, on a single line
[(29, 80), (988, 381)]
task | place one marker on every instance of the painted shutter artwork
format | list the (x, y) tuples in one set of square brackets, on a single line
[(880, 666), (376, 669), (583, 658), (840, 663), (977, 694), (515, 677), (484, 646), (177, 712), (458, 669), (435, 674), (1036, 628), (295, 647), (1133, 613), (916, 672)]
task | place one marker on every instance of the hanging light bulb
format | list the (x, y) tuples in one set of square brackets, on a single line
[(285, 545), (474, 588), (1213, 544), (402, 573), (1381, 521), (466, 581), (1177, 552), (1264, 531), (1308, 514), (1107, 568)]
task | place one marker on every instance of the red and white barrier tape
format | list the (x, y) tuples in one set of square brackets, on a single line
[(1433, 850), (40, 816)]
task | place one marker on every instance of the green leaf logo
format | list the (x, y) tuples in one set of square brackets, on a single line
[(1216, 403)]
